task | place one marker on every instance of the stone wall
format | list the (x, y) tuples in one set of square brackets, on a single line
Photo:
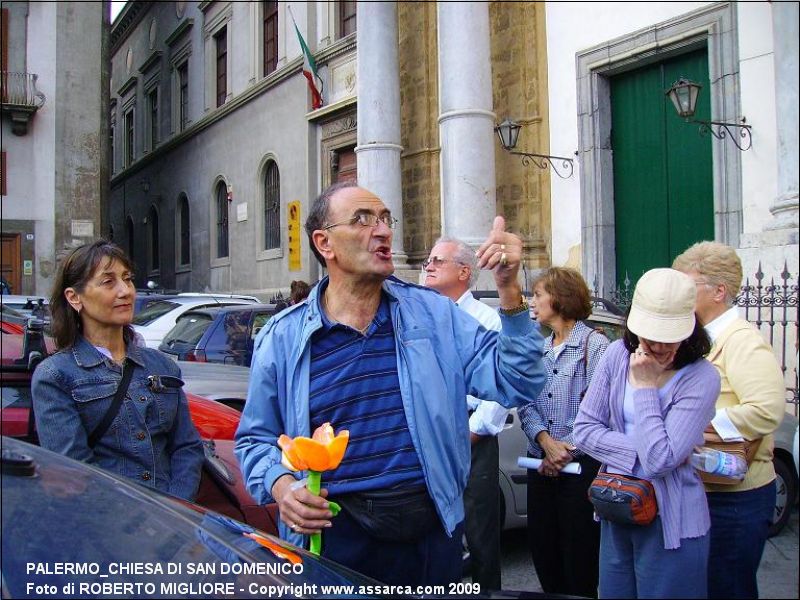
[(419, 129), (520, 91), (519, 73)]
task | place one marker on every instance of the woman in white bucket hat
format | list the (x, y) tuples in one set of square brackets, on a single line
[(651, 398)]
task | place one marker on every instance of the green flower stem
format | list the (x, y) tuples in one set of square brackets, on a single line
[(313, 485)]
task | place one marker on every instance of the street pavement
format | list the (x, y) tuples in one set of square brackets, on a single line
[(777, 576)]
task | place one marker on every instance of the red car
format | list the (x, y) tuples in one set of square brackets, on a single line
[(221, 488)]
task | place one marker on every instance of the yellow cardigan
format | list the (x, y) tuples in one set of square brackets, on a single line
[(752, 392)]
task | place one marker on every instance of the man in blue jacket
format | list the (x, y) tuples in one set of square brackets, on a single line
[(392, 363)]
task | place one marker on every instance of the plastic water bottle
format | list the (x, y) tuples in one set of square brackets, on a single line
[(716, 462)]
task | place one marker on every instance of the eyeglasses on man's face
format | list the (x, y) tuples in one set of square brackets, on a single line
[(438, 262), (366, 220)]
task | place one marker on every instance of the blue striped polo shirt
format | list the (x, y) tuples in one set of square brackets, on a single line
[(354, 386)]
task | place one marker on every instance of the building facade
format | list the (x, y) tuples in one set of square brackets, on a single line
[(217, 151), (647, 183), (54, 91)]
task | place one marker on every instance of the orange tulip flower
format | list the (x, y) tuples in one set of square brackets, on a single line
[(321, 452)]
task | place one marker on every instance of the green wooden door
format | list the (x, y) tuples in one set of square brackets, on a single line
[(663, 187)]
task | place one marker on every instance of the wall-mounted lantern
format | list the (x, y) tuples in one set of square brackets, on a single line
[(508, 132), (684, 94)]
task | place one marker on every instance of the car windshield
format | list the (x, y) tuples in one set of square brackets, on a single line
[(7, 311), (189, 329), (145, 300), (154, 311)]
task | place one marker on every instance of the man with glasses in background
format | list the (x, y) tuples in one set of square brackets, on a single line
[(391, 362), (452, 270)]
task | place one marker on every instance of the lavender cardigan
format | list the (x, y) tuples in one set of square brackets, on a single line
[(669, 423)]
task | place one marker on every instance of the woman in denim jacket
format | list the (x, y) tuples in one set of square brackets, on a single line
[(152, 438)]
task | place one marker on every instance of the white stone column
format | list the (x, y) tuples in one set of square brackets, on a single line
[(784, 208), (466, 121), (378, 80)]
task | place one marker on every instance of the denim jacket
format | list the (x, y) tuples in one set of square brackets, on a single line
[(443, 354), (152, 438)]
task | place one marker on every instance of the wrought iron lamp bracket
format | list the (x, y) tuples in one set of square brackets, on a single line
[(724, 130), (543, 161)]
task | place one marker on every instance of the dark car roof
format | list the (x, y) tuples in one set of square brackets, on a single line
[(57, 511), (249, 307), (208, 311), (213, 311)]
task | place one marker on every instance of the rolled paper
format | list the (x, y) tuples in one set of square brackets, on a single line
[(526, 462)]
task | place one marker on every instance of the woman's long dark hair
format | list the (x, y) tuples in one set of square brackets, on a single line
[(75, 271), (693, 348)]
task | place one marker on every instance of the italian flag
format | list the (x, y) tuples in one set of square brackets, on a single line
[(310, 71)]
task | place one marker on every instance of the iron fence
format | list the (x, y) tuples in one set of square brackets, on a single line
[(770, 306)]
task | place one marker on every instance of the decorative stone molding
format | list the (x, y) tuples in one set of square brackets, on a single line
[(176, 34)]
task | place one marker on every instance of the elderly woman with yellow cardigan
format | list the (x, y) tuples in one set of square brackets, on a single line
[(750, 407)]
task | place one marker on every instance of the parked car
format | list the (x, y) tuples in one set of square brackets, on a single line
[(226, 384), (71, 529), (28, 306), (217, 334), (9, 327), (146, 298), (212, 419), (153, 322), (12, 315), (213, 295), (221, 486), (785, 474)]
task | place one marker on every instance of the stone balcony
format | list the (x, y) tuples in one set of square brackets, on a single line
[(20, 99)]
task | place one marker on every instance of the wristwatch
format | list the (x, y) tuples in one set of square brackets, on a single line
[(510, 312)]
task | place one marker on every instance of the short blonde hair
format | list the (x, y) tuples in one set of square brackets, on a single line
[(716, 262)]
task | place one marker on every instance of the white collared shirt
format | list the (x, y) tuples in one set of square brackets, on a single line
[(489, 417), (715, 328)]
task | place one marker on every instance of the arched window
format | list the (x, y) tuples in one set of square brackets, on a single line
[(130, 239), (222, 220), (272, 206), (184, 233), (152, 221)]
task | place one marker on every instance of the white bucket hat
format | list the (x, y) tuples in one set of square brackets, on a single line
[(663, 306)]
